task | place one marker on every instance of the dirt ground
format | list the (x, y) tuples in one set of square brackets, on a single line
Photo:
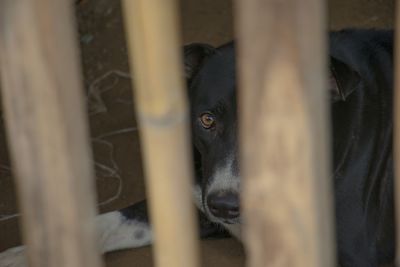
[(119, 175)]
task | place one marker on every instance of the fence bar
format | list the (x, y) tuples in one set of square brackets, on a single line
[(397, 129), (287, 206), (47, 132), (152, 30)]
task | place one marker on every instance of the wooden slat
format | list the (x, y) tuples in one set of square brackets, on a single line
[(397, 130), (161, 108), (283, 122), (47, 132)]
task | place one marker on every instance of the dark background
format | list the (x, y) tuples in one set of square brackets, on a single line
[(116, 148)]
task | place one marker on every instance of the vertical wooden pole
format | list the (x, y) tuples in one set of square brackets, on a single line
[(47, 131), (397, 129), (283, 122), (152, 31)]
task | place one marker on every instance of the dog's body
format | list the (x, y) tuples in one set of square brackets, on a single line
[(361, 88), (362, 145)]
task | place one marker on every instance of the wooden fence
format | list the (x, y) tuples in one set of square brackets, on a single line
[(287, 222)]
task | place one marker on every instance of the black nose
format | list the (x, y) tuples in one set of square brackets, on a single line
[(224, 205)]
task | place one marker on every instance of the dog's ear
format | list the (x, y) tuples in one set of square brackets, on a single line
[(194, 54), (343, 80)]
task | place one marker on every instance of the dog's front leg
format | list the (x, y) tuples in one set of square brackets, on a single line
[(130, 228), (127, 228)]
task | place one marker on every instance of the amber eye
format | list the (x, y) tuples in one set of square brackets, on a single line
[(207, 120)]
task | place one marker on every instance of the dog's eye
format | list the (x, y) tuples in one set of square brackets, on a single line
[(207, 120)]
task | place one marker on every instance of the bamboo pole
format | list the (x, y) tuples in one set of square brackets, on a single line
[(286, 191), (152, 31), (47, 132), (397, 130)]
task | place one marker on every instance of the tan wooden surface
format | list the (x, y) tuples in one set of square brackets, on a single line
[(155, 55), (47, 132), (283, 120), (397, 130)]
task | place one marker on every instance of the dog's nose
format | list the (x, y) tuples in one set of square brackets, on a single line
[(224, 205)]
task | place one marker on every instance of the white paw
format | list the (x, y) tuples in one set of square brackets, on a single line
[(13, 257)]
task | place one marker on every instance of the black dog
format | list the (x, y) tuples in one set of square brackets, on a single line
[(361, 88)]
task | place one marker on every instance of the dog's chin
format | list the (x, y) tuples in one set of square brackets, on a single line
[(232, 225)]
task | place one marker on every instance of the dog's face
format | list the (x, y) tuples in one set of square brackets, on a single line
[(212, 92), (212, 89)]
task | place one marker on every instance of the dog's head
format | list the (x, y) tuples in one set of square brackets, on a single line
[(211, 77)]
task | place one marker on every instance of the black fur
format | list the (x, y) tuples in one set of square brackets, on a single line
[(361, 88)]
